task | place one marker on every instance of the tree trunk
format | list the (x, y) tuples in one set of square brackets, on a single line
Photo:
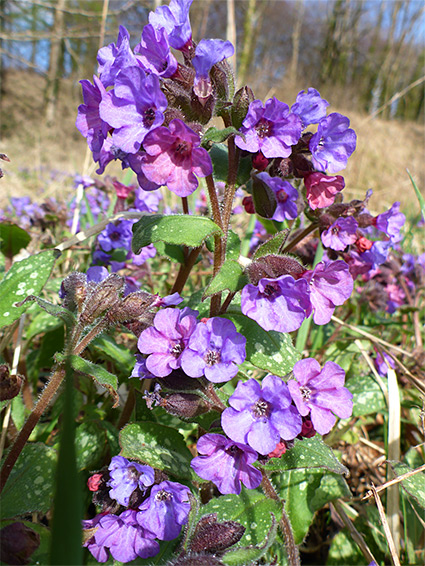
[(54, 72)]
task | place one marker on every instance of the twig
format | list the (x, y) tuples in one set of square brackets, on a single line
[(388, 535), (394, 481), (371, 337), (393, 495), (357, 537)]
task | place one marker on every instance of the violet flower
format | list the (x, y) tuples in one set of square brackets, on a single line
[(140, 370), (330, 284), (277, 304), (113, 58), (286, 197), (271, 129), (166, 340), (310, 107), (341, 234), (382, 363), (154, 53), (166, 510), (260, 415), (333, 143), (135, 107), (208, 53), (174, 158), (391, 222), (322, 189), (89, 123), (214, 350), (226, 463), (122, 536), (174, 18), (321, 393), (126, 476), (117, 235)]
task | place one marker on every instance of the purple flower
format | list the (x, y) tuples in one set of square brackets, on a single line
[(333, 143), (214, 350), (226, 463), (117, 235), (135, 161), (147, 201), (271, 129), (173, 158), (113, 58), (133, 108), (286, 197), (174, 18), (321, 393), (89, 123), (321, 189), (277, 304), (330, 284), (341, 234), (391, 222), (154, 53), (96, 274), (167, 339), (208, 53), (126, 476), (310, 106), (122, 536), (145, 253), (140, 370), (377, 254), (383, 363), (166, 510), (260, 415)]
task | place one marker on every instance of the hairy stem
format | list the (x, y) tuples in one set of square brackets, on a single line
[(284, 523), (215, 206), (184, 271), (44, 401), (300, 237), (234, 155)]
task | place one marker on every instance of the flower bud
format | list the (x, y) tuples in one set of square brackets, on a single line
[(248, 204), (241, 101), (264, 198), (132, 307), (18, 542), (260, 162), (274, 266), (73, 290), (10, 385), (102, 297), (185, 405), (213, 537)]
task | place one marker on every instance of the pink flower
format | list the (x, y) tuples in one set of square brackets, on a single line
[(174, 158), (322, 189)]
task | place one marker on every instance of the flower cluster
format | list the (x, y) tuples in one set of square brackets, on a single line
[(135, 509)]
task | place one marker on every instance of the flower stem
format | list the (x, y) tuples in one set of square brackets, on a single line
[(300, 237), (284, 523), (185, 270), (30, 424)]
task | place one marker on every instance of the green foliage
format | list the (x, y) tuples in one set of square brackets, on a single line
[(159, 446), (12, 239), (368, 397), (182, 230), (24, 278), (30, 484), (231, 277), (102, 376)]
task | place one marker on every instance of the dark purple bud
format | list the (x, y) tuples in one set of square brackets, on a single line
[(264, 198), (307, 430), (213, 537), (73, 290), (198, 560), (10, 385), (241, 101), (274, 266), (132, 307), (248, 204), (301, 166), (17, 543), (177, 380), (259, 162), (365, 220), (102, 297), (185, 405)]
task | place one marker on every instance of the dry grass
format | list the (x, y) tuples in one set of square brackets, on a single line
[(385, 148)]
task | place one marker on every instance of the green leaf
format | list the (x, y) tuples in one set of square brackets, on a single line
[(220, 160), (110, 350), (90, 444), (100, 375), (271, 351), (173, 252), (231, 277), (30, 484), (307, 453), (418, 194), (41, 323), (272, 246), (413, 485), (157, 445), (367, 395), (344, 550), (250, 508), (233, 247), (25, 277), (214, 135), (12, 239), (183, 230)]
